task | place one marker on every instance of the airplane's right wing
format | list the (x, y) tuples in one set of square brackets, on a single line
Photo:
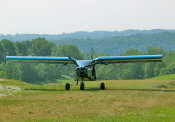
[(40, 59)]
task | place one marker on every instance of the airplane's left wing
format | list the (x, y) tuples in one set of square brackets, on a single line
[(127, 59), (40, 59)]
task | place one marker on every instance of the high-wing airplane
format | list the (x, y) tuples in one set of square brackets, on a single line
[(85, 69)]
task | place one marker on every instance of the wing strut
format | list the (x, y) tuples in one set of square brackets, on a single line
[(73, 60)]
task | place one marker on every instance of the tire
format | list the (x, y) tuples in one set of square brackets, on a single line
[(67, 87), (82, 86), (102, 86)]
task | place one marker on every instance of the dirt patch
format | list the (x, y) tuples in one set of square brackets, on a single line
[(8, 90)]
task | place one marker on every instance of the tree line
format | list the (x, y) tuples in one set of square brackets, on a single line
[(51, 72), (111, 42), (117, 45)]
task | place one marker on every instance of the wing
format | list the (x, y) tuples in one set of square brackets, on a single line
[(39, 59), (127, 59)]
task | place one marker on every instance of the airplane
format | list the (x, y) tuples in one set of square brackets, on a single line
[(85, 69)]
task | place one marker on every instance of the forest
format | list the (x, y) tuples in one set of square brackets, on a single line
[(39, 73), (111, 42), (120, 44)]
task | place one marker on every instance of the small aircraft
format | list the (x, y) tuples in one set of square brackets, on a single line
[(85, 69)]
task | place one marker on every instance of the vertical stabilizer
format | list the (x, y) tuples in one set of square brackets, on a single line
[(91, 54)]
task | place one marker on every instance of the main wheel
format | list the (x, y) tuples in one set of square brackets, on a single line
[(82, 86), (102, 86), (67, 87)]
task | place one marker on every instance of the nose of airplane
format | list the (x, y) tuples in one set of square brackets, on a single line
[(80, 68)]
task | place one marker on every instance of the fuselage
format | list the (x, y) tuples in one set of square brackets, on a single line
[(85, 70)]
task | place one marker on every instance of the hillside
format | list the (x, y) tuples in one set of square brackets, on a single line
[(113, 43), (165, 77), (80, 35), (117, 45)]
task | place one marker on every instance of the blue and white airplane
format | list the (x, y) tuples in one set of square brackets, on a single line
[(85, 69)]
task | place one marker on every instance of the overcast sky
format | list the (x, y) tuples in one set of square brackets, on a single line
[(65, 16)]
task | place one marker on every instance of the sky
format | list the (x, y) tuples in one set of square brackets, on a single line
[(67, 16)]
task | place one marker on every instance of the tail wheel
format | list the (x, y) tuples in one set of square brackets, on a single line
[(82, 86), (67, 87), (102, 86)]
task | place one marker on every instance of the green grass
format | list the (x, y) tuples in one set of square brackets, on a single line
[(123, 100), (165, 77), (62, 79)]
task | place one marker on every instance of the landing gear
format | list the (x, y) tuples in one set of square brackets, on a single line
[(102, 86), (82, 86), (67, 87)]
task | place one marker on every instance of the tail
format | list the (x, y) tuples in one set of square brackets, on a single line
[(91, 54)]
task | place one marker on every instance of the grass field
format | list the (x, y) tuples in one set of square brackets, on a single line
[(165, 77), (123, 100)]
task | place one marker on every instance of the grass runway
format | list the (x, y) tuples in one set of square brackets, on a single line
[(123, 100)]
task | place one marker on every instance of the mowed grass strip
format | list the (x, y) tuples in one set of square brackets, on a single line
[(123, 100)]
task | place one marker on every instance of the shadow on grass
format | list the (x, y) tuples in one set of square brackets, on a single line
[(86, 89), (97, 89), (44, 89)]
